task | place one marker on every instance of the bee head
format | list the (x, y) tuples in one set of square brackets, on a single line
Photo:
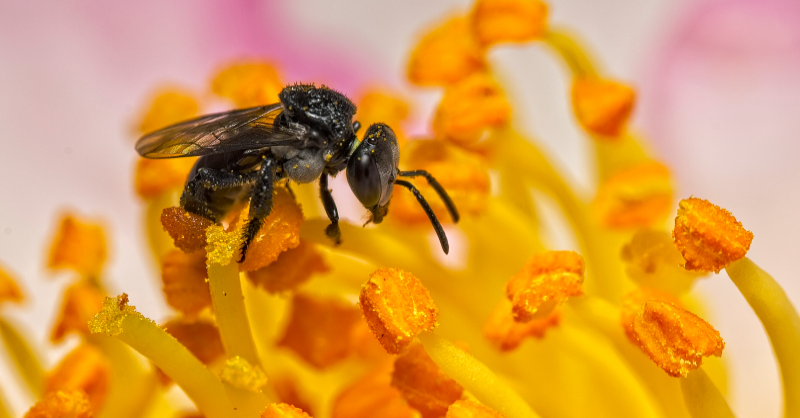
[(372, 169)]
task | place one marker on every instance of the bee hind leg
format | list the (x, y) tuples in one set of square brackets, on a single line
[(260, 203), (196, 197)]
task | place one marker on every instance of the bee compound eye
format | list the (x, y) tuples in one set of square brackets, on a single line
[(364, 178)]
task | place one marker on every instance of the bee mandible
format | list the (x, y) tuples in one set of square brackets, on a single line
[(310, 134)]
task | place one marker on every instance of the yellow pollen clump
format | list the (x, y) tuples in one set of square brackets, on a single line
[(187, 230), (201, 337), (497, 21), (397, 307), (546, 281), (168, 107), (602, 106), (471, 409), (424, 386), (652, 261), (446, 54), (674, 338), (84, 369), (184, 278), (222, 246), (464, 175), (632, 303), (292, 268), (243, 375), (318, 329), (9, 291), (638, 196), (470, 107), (282, 410), (62, 404), (109, 320), (248, 84), (82, 301), (507, 334), (79, 245), (709, 237), (154, 177), (373, 396), (280, 232)]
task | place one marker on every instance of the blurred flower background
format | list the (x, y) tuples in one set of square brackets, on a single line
[(719, 85)]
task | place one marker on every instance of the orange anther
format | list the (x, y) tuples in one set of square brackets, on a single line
[(84, 369), (546, 281), (708, 236), (507, 334), (397, 308), (602, 106), (200, 337), (464, 175), (292, 268), (9, 291), (318, 329), (632, 303), (79, 245), (82, 301), (471, 409), (372, 396), (248, 84), (674, 338), (184, 277), (638, 196), (186, 229), (497, 21), (282, 410), (286, 388), (62, 404), (378, 106), (446, 54), (280, 232), (469, 108), (154, 177), (424, 386), (168, 107)]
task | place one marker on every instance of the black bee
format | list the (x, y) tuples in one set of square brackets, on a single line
[(308, 135)]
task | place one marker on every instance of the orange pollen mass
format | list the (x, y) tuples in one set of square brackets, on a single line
[(709, 237), (635, 197), (84, 369), (546, 281), (282, 410), (470, 107), (248, 84), (9, 291), (632, 304), (168, 107), (184, 278), (280, 232), (446, 54), (186, 229), (674, 338), (602, 106), (498, 21), (201, 337), (318, 329), (426, 387), (292, 268), (397, 307), (60, 404), (507, 334), (471, 409), (372, 396), (79, 246), (154, 177), (82, 301)]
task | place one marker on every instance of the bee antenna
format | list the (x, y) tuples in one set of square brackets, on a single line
[(451, 207), (428, 211)]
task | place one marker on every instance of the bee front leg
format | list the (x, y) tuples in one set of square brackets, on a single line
[(260, 203), (332, 231)]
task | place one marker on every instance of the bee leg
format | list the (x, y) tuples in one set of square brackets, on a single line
[(451, 207), (195, 198), (260, 203), (332, 231)]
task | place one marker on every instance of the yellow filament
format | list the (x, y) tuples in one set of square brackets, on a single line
[(475, 377), (229, 308), (132, 388), (780, 320), (3, 408), (702, 398), (26, 360), (567, 47)]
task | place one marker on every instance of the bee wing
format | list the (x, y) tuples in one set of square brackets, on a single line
[(219, 133)]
